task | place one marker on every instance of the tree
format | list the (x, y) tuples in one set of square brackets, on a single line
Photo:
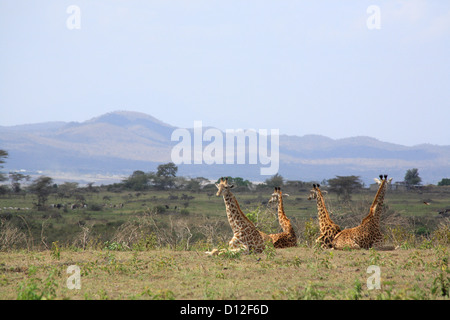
[(67, 189), (15, 180), (275, 181), (165, 176), (138, 181), (167, 170), (444, 182), (3, 155), (412, 177), (344, 186), (195, 184), (42, 187)]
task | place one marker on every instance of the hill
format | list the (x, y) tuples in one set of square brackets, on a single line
[(117, 143)]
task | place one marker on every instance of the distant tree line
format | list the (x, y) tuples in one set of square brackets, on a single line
[(165, 178)]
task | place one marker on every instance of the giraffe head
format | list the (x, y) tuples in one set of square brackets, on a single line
[(223, 186), (379, 181), (276, 195), (313, 192)]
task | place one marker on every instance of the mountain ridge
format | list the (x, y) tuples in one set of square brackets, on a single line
[(120, 142)]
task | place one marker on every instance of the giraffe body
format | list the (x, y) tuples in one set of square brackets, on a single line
[(287, 238), (246, 237), (368, 233), (328, 229)]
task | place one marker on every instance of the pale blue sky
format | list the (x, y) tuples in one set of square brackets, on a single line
[(303, 67)]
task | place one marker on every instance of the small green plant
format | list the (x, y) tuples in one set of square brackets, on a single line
[(229, 254), (35, 288), (115, 246), (269, 250), (296, 262), (356, 292), (55, 251), (322, 258), (374, 256), (441, 283), (146, 242)]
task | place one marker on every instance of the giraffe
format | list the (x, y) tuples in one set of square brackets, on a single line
[(368, 233), (245, 236), (287, 238), (328, 229)]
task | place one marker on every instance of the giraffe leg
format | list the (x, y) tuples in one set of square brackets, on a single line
[(236, 245), (319, 240), (214, 252), (345, 242)]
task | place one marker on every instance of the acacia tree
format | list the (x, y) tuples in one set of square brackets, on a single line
[(15, 179), (412, 177), (344, 186), (42, 187), (165, 176)]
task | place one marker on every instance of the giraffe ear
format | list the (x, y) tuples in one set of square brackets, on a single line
[(231, 186), (285, 195), (217, 185)]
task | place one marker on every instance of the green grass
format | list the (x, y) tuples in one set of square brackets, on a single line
[(291, 274)]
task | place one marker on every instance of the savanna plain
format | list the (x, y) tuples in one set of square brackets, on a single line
[(130, 245)]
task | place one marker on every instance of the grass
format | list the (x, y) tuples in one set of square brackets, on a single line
[(126, 253), (293, 273)]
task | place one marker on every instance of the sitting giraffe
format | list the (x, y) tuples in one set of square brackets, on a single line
[(246, 237), (287, 238), (328, 229), (368, 233)]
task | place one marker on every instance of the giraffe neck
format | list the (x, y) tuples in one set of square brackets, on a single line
[(377, 205), (236, 217), (324, 217), (284, 222)]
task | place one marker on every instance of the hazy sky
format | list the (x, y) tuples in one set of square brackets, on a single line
[(303, 67)]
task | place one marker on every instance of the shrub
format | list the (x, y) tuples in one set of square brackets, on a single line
[(311, 232), (184, 212), (95, 207)]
